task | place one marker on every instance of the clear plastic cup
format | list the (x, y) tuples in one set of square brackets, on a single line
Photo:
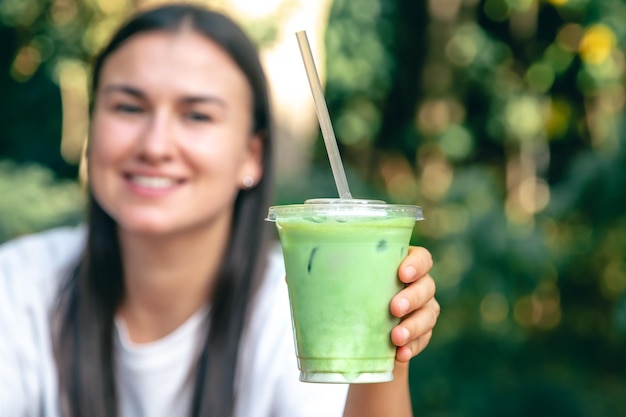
[(341, 259)]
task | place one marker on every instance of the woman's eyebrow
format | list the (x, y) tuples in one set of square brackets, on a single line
[(135, 92), (189, 99), (210, 99)]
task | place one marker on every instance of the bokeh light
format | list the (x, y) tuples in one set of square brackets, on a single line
[(494, 308), (26, 63), (596, 44)]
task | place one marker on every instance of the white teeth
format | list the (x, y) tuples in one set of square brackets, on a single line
[(153, 182)]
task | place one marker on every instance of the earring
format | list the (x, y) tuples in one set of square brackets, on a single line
[(248, 181)]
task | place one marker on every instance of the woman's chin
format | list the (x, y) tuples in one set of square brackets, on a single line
[(147, 226)]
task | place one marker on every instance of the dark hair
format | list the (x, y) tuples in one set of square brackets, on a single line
[(87, 305)]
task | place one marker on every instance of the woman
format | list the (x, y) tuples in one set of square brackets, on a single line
[(168, 302)]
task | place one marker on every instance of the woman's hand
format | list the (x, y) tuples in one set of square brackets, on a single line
[(415, 305)]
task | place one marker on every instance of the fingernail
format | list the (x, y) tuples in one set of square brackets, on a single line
[(410, 271), (405, 335), (403, 305)]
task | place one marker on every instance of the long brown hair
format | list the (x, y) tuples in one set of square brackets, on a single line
[(87, 304)]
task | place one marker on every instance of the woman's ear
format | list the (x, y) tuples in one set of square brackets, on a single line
[(252, 167)]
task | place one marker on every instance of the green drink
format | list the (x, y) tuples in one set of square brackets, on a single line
[(341, 259)]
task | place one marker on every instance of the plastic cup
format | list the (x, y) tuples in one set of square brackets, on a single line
[(341, 259)]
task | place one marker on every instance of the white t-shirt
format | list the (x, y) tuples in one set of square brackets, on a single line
[(153, 379)]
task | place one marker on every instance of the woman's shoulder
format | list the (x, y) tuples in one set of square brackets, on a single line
[(275, 269), (39, 260), (52, 246), (32, 268), (270, 300), (273, 290)]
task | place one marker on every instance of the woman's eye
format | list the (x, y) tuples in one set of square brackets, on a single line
[(198, 117), (128, 108)]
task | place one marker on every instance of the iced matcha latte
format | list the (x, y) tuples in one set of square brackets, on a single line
[(341, 259)]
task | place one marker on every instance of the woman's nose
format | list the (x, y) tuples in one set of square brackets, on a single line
[(157, 143)]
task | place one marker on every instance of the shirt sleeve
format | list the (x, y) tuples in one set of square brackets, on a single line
[(30, 269), (18, 386)]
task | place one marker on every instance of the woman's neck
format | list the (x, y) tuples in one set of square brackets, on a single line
[(167, 279)]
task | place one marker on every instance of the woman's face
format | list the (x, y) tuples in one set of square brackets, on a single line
[(171, 137)]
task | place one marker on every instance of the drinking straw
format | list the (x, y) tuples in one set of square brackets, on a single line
[(324, 118)]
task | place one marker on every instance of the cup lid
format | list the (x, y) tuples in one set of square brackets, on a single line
[(338, 207)]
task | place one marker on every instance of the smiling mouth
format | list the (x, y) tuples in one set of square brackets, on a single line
[(154, 183)]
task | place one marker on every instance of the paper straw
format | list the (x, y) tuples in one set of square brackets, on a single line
[(324, 118)]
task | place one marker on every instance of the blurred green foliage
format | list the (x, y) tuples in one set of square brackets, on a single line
[(33, 200), (504, 119)]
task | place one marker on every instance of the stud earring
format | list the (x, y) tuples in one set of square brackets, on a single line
[(248, 181)]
